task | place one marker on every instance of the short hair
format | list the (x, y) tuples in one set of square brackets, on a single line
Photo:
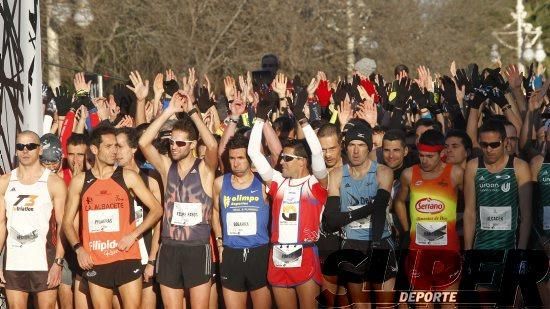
[(329, 129), (237, 141), (432, 138), (98, 133), (186, 125), (427, 122), (492, 125), (300, 147), (132, 136), (77, 139), (399, 68), (316, 124), (31, 133), (284, 125), (464, 137), (395, 135)]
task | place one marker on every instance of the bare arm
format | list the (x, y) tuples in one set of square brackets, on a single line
[(469, 204), (72, 206), (58, 192), (458, 177), (216, 223), (400, 202), (273, 143), (155, 190), (4, 180), (471, 126), (525, 188)]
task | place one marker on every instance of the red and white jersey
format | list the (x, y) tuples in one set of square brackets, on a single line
[(297, 206)]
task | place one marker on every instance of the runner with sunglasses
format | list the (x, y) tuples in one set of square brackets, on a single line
[(298, 202), (497, 191), (184, 259), (31, 210)]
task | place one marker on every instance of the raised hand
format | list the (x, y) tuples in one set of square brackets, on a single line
[(141, 89), (279, 85), (158, 87), (462, 81), (514, 76), (177, 104), (368, 112), (402, 90), (527, 80), (80, 84), (312, 87), (266, 105), (170, 83), (448, 89), (229, 87), (344, 111), (62, 100), (126, 121), (102, 108), (299, 103)]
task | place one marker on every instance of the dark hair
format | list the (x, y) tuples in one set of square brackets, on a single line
[(186, 125), (492, 125), (432, 138), (132, 136), (284, 125), (399, 68), (395, 135), (300, 148), (77, 139), (316, 124), (98, 132), (464, 137), (237, 141), (427, 122), (329, 129)]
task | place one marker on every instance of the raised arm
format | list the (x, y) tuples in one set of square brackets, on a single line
[(254, 146), (141, 89)]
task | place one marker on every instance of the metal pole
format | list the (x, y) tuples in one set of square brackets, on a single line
[(519, 15), (54, 79), (351, 39)]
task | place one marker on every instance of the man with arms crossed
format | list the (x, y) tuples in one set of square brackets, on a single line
[(31, 210), (103, 197)]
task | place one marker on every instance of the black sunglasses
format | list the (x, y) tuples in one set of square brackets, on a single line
[(288, 157), (493, 145), (29, 146), (179, 143)]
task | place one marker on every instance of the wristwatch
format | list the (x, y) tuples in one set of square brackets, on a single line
[(76, 246), (59, 261), (151, 262)]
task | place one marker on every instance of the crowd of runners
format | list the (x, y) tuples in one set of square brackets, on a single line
[(276, 192)]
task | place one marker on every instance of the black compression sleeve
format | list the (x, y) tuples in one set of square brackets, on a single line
[(335, 218), (379, 218)]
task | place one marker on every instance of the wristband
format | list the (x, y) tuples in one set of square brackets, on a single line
[(76, 246), (219, 238), (192, 111), (507, 107), (303, 122), (151, 262), (59, 261)]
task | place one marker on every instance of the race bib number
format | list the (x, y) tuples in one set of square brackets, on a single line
[(287, 256), (104, 220), (187, 214), (431, 233), (360, 224), (496, 218), (241, 223), (546, 218)]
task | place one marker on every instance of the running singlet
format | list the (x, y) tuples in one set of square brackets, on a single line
[(432, 209), (296, 209), (357, 193), (543, 200), (496, 207), (107, 214), (245, 214), (31, 234), (187, 208), (141, 212)]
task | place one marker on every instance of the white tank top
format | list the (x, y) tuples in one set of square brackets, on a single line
[(28, 211)]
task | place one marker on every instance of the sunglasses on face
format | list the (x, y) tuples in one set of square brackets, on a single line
[(179, 143), (288, 157), (29, 146), (492, 145)]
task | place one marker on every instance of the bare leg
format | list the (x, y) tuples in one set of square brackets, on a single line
[(172, 298), (307, 294), (285, 298), (102, 298), (46, 299), (200, 295), (17, 299), (130, 293)]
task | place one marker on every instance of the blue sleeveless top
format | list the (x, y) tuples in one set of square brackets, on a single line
[(356, 193), (244, 214)]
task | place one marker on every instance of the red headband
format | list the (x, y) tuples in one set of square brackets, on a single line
[(430, 148)]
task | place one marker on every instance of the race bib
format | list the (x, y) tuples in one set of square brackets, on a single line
[(241, 223), (546, 218), (496, 218), (360, 224), (289, 216), (104, 220), (287, 256), (431, 233), (187, 214)]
